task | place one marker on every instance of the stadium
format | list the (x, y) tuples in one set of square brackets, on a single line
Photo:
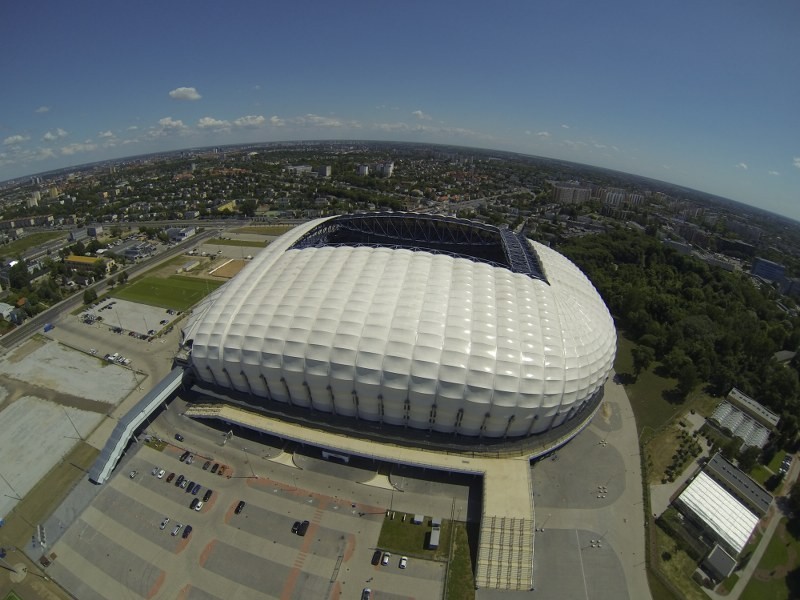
[(415, 323)]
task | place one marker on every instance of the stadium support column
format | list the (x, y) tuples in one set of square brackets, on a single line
[(309, 396), (266, 385), (508, 426), (213, 377), (355, 403), (288, 391), (333, 399), (247, 381), (230, 379)]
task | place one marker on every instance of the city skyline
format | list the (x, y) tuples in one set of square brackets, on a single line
[(700, 96)]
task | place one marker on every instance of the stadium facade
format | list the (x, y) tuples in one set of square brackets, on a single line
[(419, 321)]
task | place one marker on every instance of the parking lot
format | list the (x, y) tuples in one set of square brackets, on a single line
[(116, 548)]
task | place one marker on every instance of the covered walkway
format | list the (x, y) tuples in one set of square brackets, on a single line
[(111, 453)]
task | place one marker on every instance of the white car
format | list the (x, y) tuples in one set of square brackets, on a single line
[(177, 528), (199, 505), (154, 471), (403, 562), (164, 523), (160, 473), (385, 559), (132, 474)]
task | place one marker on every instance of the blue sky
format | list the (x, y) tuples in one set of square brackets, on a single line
[(704, 94)]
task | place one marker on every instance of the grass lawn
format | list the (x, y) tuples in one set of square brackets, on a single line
[(460, 579), (649, 394), (175, 292), (248, 243), (652, 410), (265, 230), (760, 473), (679, 568), (11, 596), (30, 241), (782, 556), (46, 495), (400, 537)]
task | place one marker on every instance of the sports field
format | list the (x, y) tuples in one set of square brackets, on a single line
[(175, 292)]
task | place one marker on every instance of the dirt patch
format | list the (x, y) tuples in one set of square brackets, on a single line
[(229, 269), (28, 348)]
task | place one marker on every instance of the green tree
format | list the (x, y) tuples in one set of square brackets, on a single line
[(643, 357), (89, 296)]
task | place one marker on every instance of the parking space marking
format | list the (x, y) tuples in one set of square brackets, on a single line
[(291, 580), (206, 553)]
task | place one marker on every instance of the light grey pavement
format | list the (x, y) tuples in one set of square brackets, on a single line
[(114, 548), (591, 489)]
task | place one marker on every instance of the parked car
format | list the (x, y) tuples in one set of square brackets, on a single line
[(184, 456), (207, 495), (240, 507), (170, 477), (206, 465), (187, 531), (154, 471), (386, 557), (366, 594), (303, 528), (190, 487), (160, 473), (215, 467), (190, 459), (179, 480), (403, 562), (296, 527), (132, 474), (177, 529), (179, 437), (184, 484), (193, 503), (196, 489), (164, 522), (376, 557), (199, 505)]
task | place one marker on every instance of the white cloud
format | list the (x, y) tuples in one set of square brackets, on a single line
[(15, 139), (133, 128), (106, 134), (544, 134), (78, 147), (528, 132), (250, 121), (184, 93), (42, 109), (796, 162), (166, 126), (564, 126), (318, 121), (51, 136), (742, 166), (277, 121), (256, 87), (773, 173), (212, 123), (170, 123), (43, 153), (392, 126), (421, 115)]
